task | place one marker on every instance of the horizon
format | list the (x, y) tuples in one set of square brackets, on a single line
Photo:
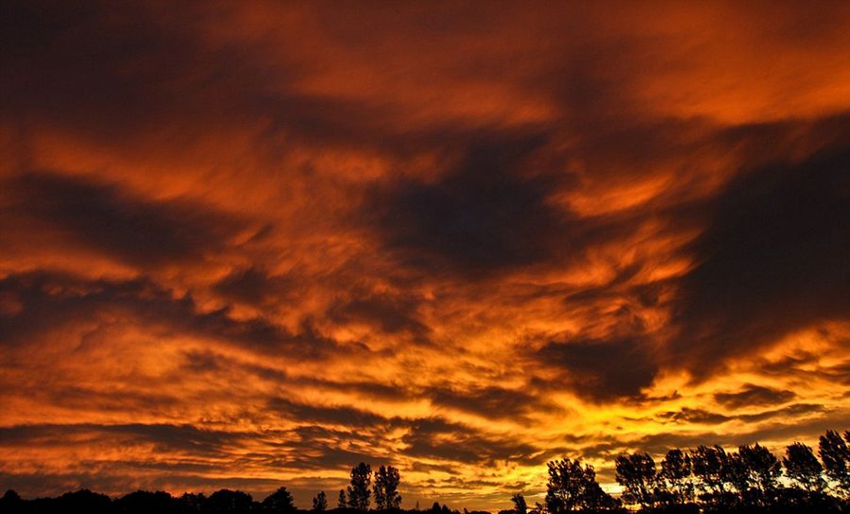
[(252, 244)]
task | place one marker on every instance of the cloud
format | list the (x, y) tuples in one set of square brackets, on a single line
[(482, 217), (339, 415), (389, 313), (67, 300), (106, 219), (771, 260), (442, 440), (753, 395), (603, 370), (254, 286), (492, 402)]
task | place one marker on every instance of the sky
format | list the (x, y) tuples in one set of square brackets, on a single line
[(251, 244)]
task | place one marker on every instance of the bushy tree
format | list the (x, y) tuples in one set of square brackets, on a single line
[(637, 474), (191, 502), (763, 469), (596, 499), (341, 503), (226, 501), (520, 507), (735, 476), (358, 492), (386, 488), (12, 497), (676, 471), (803, 468), (573, 486), (320, 502), (279, 502), (707, 464), (145, 502), (836, 459)]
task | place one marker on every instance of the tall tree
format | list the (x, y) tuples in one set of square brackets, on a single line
[(320, 502), (386, 488), (763, 469), (573, 486), (279, 502), (736, 477), (803, 468), (341, 503), (676, 470), (708, 463), (358, 491), (520, 507), (636, 473), (836, 459)]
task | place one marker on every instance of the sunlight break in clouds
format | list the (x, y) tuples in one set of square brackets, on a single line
[(246, 244)]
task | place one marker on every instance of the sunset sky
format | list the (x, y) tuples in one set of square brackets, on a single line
[(251, 244)]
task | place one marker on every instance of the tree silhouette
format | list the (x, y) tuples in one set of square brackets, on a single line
[(572, 486), (145, 502), (596, 499), (676, 470), (320, 502), (386, 488), (341, 503), (803, 468), (735, 476), (358, 491), (11, 503), (193, 502), (226, 501), (520, 507), (279, 502), (85, 500), (707, 464), (836, 459), (636, 473), (763, 469)]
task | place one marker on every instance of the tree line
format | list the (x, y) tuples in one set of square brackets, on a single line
[(357, 498), (708, 479)]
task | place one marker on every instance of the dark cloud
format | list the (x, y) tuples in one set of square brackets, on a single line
[(65, 64), (166, 438), (438, 439), (491, 402), (482, 217), (753, 395), (110, 73), (115, 71), (65, 299), (687, 415), (601, 369), (775, 257), (388, 312), (254, 286), (794, 411), (106, 219), (341, 415)]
